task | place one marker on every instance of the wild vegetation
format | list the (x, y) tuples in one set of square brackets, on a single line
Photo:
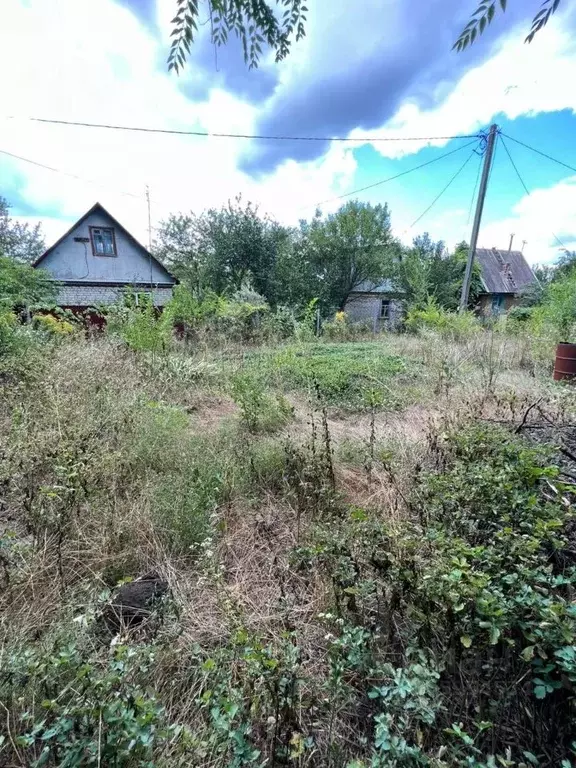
[(366, 548), (227, 541)]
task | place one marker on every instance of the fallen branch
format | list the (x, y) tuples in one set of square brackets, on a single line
[(567, 453), (523, 422)]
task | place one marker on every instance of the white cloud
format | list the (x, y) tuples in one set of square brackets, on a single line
[(537, 219), (517, 80), (105, 69)]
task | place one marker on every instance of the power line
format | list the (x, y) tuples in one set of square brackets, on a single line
[(433, 203), (474, 191), (523, 183), (65, 173), (539, 152), (398, 175), (215, 134), (514, 166)]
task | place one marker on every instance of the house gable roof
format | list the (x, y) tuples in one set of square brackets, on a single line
[(98, 208), (504, 271)]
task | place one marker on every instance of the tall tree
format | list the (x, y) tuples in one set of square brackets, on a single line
[(21, 285), (347, 248), (19, 241), (429, 270), (222, 249), (178, 247)]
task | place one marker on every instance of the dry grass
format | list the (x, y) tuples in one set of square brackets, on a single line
[(80, 427)]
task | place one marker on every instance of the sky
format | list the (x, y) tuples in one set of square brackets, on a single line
[(368, 70)]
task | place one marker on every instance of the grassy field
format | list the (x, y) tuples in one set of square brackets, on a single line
[(363, 552)]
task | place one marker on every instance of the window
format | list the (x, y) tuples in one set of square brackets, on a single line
[(385, 309), (497, 302), (103, 241)]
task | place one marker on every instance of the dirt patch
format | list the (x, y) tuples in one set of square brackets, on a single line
[(209, 414)]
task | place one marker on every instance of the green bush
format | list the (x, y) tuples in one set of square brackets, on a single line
[(278, 325), (140, 325), (8, 331), (341, 329), (53, 326), (555, 317), (74, 708), (262, 410), (452, 325), (183, 502), (473, 591)]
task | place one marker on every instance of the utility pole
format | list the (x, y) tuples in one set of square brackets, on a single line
[(524, 243), (478, 216), (511, 241), (149, 234), (149, 219)]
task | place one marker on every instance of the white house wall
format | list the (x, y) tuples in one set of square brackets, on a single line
[(71, 260)]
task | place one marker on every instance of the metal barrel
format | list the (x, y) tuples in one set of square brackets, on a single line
[(565, 367)]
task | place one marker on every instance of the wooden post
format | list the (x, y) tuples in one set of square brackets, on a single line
[(478, 216)]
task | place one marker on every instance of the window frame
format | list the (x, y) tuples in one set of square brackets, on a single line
[(497, 304), (384, 303), (97, 253)]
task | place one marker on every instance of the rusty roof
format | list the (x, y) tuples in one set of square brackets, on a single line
[(504, 271)]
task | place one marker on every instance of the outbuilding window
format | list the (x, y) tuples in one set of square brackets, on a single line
[(497, 303), (384, 309), (103, 241)]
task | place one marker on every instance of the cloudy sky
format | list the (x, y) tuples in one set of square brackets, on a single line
[(369, 69)]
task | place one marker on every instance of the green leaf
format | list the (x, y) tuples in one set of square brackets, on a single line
[(466, 640), (494, 635), (531, 758), (540, 692), (528, 653)]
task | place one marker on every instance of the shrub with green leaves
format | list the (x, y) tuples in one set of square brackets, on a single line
[(139, 324), (53, 326), (451, 325), (85, 709), (262, 410), (477, 581)]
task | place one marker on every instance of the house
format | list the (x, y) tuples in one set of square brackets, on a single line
[(504, 275), (376, 304), (97, 259)]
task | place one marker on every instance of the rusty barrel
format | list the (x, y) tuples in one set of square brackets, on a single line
[(565, 367)]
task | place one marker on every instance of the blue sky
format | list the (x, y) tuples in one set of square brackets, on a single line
[(388, 71)]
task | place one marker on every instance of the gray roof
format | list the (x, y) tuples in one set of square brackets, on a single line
[(504, 271), (366, 286)]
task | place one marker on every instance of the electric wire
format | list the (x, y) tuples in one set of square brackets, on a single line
[(452, 180), (396, 176), (66, 173), (539, 152), (555, 236), (474, 191), (216, 134)]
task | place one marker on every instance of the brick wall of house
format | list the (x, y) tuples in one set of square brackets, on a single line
[(94, 295), (365, 308), (485, 304)]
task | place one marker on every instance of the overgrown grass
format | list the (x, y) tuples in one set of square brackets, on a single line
[(360, 586), (354, 376)]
